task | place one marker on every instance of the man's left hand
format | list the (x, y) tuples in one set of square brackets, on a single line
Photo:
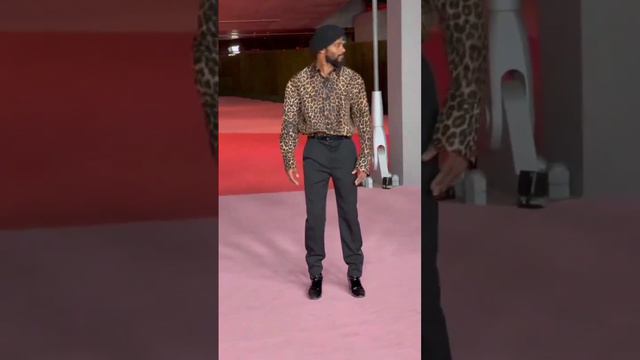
[(451, 171), (361, 176)]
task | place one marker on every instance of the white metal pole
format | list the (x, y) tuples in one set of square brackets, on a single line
[(376, 86)]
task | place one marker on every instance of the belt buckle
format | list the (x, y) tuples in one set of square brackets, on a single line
[(324, 137)]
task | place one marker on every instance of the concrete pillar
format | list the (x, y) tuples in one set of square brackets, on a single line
[(403, 68), (590, 78), (610, 80), (561, 68)]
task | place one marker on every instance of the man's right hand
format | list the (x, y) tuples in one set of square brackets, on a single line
[(293, 176)]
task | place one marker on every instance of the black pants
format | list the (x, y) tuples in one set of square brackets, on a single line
[(434, 328), (335, 159), (436, 340)]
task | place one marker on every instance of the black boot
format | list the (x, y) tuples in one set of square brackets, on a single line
[(315, 290), (356, 287)]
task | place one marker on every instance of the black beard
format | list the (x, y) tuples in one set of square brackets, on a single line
[(335, 62)]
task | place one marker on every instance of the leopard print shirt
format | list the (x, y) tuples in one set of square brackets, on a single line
[(335, 105), (464, 23)]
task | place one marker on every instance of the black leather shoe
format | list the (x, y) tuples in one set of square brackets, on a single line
[(315, 290), (356, 287)]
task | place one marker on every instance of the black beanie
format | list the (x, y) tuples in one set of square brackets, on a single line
[(325, 36)]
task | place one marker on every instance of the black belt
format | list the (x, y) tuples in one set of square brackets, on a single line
[(328, 137)]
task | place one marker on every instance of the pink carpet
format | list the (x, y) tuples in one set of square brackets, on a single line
[(550, 284), (526, 285), (264, 312), (546, 284)]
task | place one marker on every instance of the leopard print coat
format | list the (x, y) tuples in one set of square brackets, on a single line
[(206, 62), (464, 22)]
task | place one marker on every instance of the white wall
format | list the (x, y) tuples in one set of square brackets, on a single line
[(404, 89), (611, 99), (590, 69)]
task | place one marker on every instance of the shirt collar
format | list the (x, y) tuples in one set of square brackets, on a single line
[(316, 72)]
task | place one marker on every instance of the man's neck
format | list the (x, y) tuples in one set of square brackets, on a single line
[(325, 68)]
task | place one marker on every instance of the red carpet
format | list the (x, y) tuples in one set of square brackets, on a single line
[(250, 159), (101, 128), (252, 163)]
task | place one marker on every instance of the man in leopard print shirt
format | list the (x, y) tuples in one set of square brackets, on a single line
[(327, 102), (451, 132)]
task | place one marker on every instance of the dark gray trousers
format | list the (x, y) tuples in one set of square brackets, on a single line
[(434, 326), (435, 336), (335, 159)]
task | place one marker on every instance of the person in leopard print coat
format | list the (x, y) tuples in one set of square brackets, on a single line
[(206, 62), (452, 133)]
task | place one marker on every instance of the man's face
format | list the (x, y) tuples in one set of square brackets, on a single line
[(334, 54)]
